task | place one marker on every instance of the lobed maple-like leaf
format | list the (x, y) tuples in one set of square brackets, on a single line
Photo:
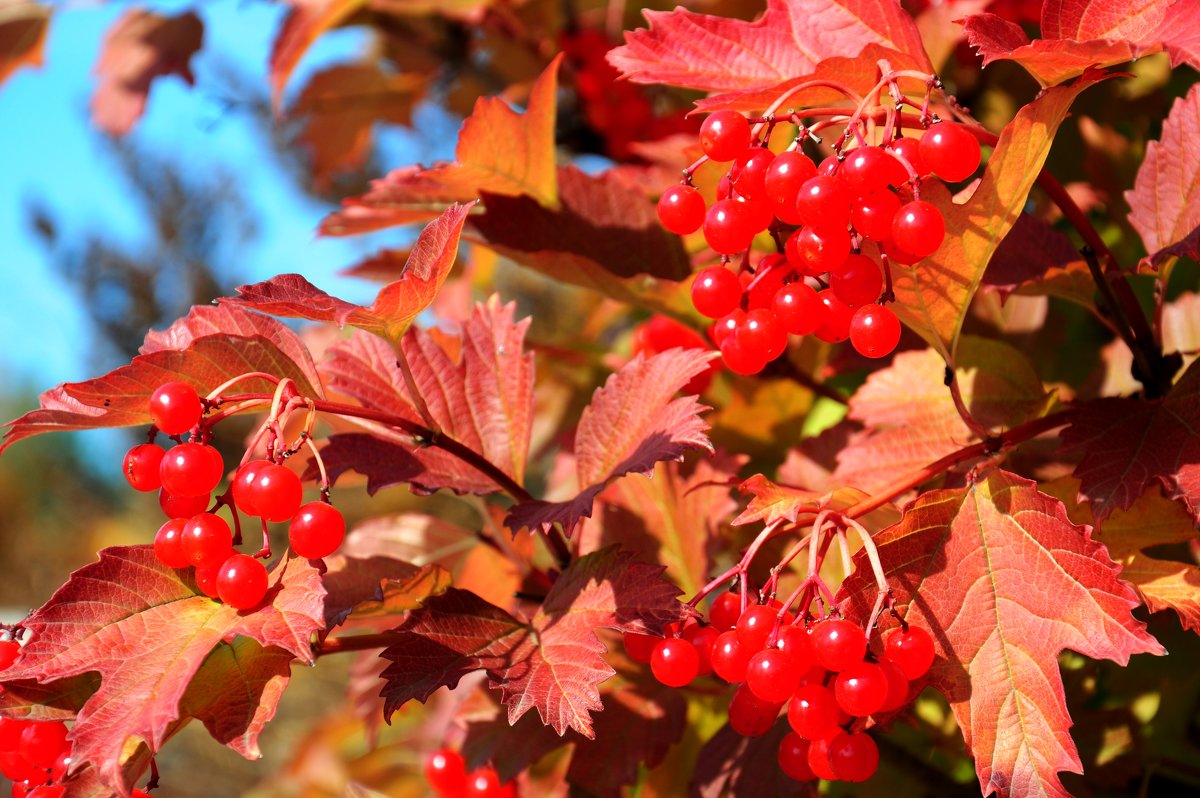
[(403, 196), (23, 26), (1127, 445), (632, 423), (933, 295), (1165, 200), (730, 764), (376, 586), (305, 22), (205, 349), (148, 633), (397, 304), (1004, 582), (140, 47), (552, 662), (709, 53), (1079, 35)]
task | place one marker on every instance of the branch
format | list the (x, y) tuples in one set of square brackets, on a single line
[(368, 642), (977, 429)]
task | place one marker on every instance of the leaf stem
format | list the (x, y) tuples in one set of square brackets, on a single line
[(347, 643)]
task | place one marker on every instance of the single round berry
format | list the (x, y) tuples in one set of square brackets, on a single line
[(918, 228), (897, 255), (865, 170), (316, 530), (640, 647), (861, 689), (206, 540), (43, 743), (838, 644), (749, 715), (793, 757), (817, 251), (872, 214), (9, 651), (813, 711), (168, 544), (761, 333), (703, 638), (243, 479), (729, 226), (860, 281), (749, 172), (724, 135), (182, 506), (206, 580), (485, 783), (818, 758), (191, 469), (716, 292), (755, 625), (741, 359), (912, 651), (275, 493), (729, 657), (175, 407), (835, 319), (910, 150), (824, 203), (874, 331), (797, 308), (141, 467), (788, 172), (723, 329), (681, 210), (950, 151), (767, 280), (796, 642), (446, 772), (725, 611), (853, 757), (897, 695), (242, 581), (773, 675), (675, 662)]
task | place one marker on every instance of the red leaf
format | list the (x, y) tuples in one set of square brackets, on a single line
[(553, 662), (1129, 444), (148, 632), (632, 423), (398, 303), (23, 27), (214, 345), (140, 47), (383, 462), (406, 195), (730, 764), (1005, 582), (770, 502), (306, 21), (1032, 252), (1165, 200), (698, 51)]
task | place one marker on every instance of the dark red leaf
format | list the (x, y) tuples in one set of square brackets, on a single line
[(730, 764), (1030, 252), (23, 26)]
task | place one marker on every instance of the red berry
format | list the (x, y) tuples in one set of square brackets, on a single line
[(787, 173), (874, 331), (762, 334), (853, 757), (793, 757), (729, 226), (796, 642), (835, 319), (860, 281), (950, 151), (168, 544), (897, 255), (754, 627), (772, 675), (724, 327), (861, 689), (740, 359), (897, 695), (43, 743), (276, 493), (141, 466), (797, 308), (182, 506), (865, 170), (824, 203), (872, 214), (725, 611), (818, 759), (766, 282), (716, 292), (640, 647), (243, 479), (446, 772), (242, 581), (316, 530), (9, 651), (681, 210), (912, 651), (206, 580), (724, 135), (206, 540), (749, 172), (175, 407), (817, 251), (918, 228), (838, 644), (703, 638), (910, 150), (191, 469), (729, 657), (813, 711), (675, 662), (749, 715)]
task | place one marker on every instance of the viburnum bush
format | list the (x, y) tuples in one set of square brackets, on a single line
[(857, 420)]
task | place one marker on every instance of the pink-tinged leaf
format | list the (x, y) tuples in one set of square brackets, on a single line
[(121, 398), (932, 297), (305, 22), (415, 538), (403, 196), (58, 700), (1165, 200), (1181, 324), (483, 399), (708, 53), (1004, 582), (148, 632), (398, 303), (602, 226), (1129, 444), (770, 502), (139, 48), (1081, 20), (23, 26), (383, 462), (730, 764), (1031, 254), (553, 662), (632, 423), (376, 586)]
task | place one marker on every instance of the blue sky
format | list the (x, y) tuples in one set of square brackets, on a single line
[(48, 150)]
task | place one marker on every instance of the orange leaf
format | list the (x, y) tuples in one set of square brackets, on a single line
[(23, 27), (307, 20)]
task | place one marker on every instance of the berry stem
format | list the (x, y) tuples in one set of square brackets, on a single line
[(215, 394), (741, 568)]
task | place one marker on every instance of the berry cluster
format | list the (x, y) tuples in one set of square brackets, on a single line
[(447, 775), (820, 281), (822, 672), (188, 473)]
